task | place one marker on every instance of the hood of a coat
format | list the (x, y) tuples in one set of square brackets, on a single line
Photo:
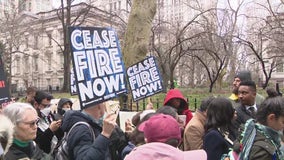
[(71, 117), (63, 101), (175, 93)]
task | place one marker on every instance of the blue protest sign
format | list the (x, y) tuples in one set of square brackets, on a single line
[(144, 78), (98, 66)]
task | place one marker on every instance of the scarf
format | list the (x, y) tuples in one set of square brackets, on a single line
[(251, 127)]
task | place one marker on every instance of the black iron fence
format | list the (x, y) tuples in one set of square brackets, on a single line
[(141, 105)]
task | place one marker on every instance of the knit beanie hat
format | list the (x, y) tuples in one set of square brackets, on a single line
[(244, 75)]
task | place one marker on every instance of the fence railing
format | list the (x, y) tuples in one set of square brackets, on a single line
[(141, 105)]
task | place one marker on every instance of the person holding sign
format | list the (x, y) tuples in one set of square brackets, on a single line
[(81, 142), (175, 99)]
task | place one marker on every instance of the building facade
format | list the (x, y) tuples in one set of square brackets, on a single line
[(38, 59)]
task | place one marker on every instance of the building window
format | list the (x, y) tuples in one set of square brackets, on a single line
[(49, 61), (49, 39), (60, 81), (22, 5), (30, 6), (27, 42), (18, 66), (26, 64), (36, 42), (48, 82), (114, 6), (119, 5), (61, 59), (35, 63)]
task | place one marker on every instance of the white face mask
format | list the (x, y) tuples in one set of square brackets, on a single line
[(45, 111), (66, 109)]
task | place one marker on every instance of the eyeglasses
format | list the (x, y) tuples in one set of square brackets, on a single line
[(45, 105), (32, 123)]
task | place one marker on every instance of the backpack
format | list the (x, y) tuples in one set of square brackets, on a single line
[(60, 151)]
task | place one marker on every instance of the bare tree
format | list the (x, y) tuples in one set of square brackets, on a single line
[(268, 56), (13, 37), (137, 36), (264, 40), (170, 43)]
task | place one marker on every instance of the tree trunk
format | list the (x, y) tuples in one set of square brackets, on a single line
[(138, 31), (137, 35), (66, 52)]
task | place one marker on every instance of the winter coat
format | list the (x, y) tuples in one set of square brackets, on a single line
[(183, 109), (45, 137), (242, 116), (262, 148), (215, 145), (31, 151), (81, 143), (194, 132)]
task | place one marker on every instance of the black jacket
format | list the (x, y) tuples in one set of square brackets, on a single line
[(242, 115), (80, 141), (29, 152)]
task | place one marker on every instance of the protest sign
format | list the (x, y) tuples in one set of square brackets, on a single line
[(4, 89), (144, 79), (98, 66)]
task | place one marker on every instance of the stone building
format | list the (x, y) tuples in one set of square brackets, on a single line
[(38, 59)]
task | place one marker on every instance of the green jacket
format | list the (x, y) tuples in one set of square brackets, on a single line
[(262, 149)]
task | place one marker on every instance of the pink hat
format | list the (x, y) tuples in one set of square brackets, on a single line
[(157, 150), (160, 128)]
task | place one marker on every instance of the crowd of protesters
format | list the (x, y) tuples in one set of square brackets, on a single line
[(244, 125)]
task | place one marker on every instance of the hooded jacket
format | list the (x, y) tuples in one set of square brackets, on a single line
[(61, 102), (183, 108), (80, 141)]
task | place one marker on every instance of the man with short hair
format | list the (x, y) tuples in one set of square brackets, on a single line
[(47, 127), (247, 107), (240, 77)]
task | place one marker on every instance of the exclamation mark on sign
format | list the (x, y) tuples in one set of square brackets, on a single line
[(122, 81)]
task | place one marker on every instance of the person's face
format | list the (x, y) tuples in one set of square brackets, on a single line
[(102, 110), (44, 104), (175, 102), (26, 129), (275, 123), (246, 95), (236, 83), (66, 105)]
